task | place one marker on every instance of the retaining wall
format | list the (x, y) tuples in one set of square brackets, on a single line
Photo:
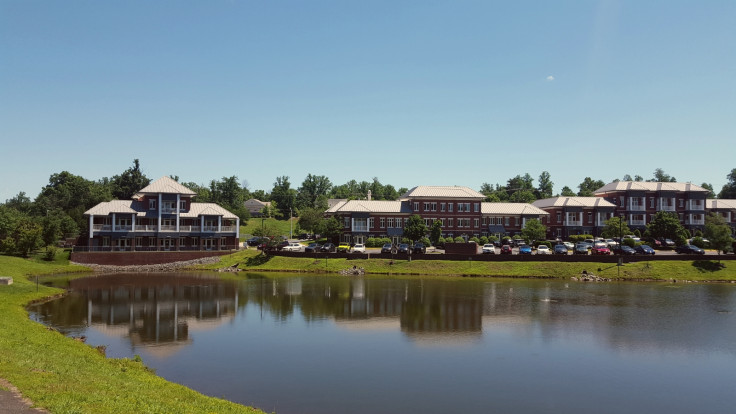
[(141, 258)]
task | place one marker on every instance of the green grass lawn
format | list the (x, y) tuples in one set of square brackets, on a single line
[(704, 270), (66, 376), (281, 225)]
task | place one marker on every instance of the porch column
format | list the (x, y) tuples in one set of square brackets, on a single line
[(177, 212), (159, 213), (219, 224), (580, 218), (201, 224), (91, 225), (113, 222), (132, 222), (237, 229)]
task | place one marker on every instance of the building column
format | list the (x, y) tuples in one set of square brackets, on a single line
[(237, 230), (201, 224), (91, 225), (159, 212), (177, 212), (132, 222), (219, 224), (113, 222)]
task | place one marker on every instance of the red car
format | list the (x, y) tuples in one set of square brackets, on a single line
[(601, 250), (505, 249)]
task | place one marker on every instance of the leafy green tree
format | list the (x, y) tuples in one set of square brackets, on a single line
[(718, 232), (523, 196), (21, 203), (661, 177), (330, 228), (390, 193), (666, 225), (415, 228), (71, 194), (436, 232), (615, 227), (313, 192), (520, 183), (309, 219), (729, 189), (589, 186), (123, 186), (283, 196), (709, 187), (567, 192), (26, 238), (544, 188), (534, 230)]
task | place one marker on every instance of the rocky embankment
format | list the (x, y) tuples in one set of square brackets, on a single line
[(163, 267)]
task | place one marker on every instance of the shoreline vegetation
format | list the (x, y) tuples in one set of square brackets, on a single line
[(60, 374)]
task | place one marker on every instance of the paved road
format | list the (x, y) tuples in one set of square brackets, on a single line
[(11, 402)]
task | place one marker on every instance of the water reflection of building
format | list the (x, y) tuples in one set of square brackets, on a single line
[(156, 309)]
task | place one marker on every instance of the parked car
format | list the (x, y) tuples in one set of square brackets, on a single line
[(488, 249), (601, 249), (581, 248), (542, 249), (611, 243), (644, 249), (343, 247), (404, 248), (419, 248), (624, 249), (253, 241), (328, 248), (668, 243), (282, 244), (560, 249), (359, 248), (689, 249), (292, 247), (506, 249), (525, 249), (387, 248), (313, 248), (569, 245)]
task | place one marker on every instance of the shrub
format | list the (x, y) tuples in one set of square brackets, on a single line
[(459, 239), (637, 233), (483, 240), (629, 242), (698, 242), (475, 239), (441, 242), (50, 253), (698, 233), (425, 240)]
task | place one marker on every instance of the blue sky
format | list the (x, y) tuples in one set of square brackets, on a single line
[(410, 92)]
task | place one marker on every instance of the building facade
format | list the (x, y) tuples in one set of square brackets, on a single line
[(575, 215), (461, 211), (639, 201), (726, 208), (161, 217), (255, 207)]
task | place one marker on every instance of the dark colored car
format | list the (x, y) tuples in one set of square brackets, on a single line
[(560, 249), (624, 249), (506, 249), (644, 249), (253, 241), (419, 248), (525, 249), (312, 248), (328, 248), (387, 248), (282, 244), (689, 249), (581, 248), (404, 248)]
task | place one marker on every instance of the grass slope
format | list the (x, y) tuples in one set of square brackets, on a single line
[(703, 270), (67, 376), (281, 225)]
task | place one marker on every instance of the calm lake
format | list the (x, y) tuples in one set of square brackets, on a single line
[(337, 344)]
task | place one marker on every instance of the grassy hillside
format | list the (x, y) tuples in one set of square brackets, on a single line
[(281, 225), (64, 375)]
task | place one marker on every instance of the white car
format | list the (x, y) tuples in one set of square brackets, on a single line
[(569, 245), (293, 247), (359, 248), (489, 249), (542, 249)]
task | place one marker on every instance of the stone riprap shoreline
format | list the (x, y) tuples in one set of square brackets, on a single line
[(163, 267)]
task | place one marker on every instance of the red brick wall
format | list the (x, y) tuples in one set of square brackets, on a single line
[(140, 258)]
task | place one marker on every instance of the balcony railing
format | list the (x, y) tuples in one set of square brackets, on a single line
[(695, 222), (636, 208), (637, 223), (574, 223), (167, 228), (667, 208), (360, 228)]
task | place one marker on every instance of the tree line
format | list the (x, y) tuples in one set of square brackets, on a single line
[(58, 210)]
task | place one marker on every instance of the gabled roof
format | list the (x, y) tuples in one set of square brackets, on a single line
[(164, 185), (648, 186), (372, 206), (720, 204), (115, 206), (573, 202), (511, 209), (429, 191), (207, 209)]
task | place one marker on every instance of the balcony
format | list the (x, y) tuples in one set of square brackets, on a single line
[(667, 208), (152, 228), (637, 207), (637, 223), (695, 222), (573, 223)]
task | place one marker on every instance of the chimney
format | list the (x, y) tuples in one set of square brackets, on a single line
[(369, 195)]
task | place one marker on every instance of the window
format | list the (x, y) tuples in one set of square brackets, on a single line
[(651, 202), (682, 203), (590, 217), (390, 222), (182, 241), (428, 222), (451, 222), (382, 222), (443, 222), (426, 206), (449, 207), (476, 207), (151, 204), (195, 241), (559, 217), (139, 242), (370, 223), (433, 206), (416, 206), (507, 220), (475, 222), (442, 206), (182, 205), (346, 221)]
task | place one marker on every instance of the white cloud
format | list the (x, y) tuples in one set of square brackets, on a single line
[(550, 78)]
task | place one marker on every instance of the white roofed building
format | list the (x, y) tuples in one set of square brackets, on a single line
[(575, 215), (161, 216)]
